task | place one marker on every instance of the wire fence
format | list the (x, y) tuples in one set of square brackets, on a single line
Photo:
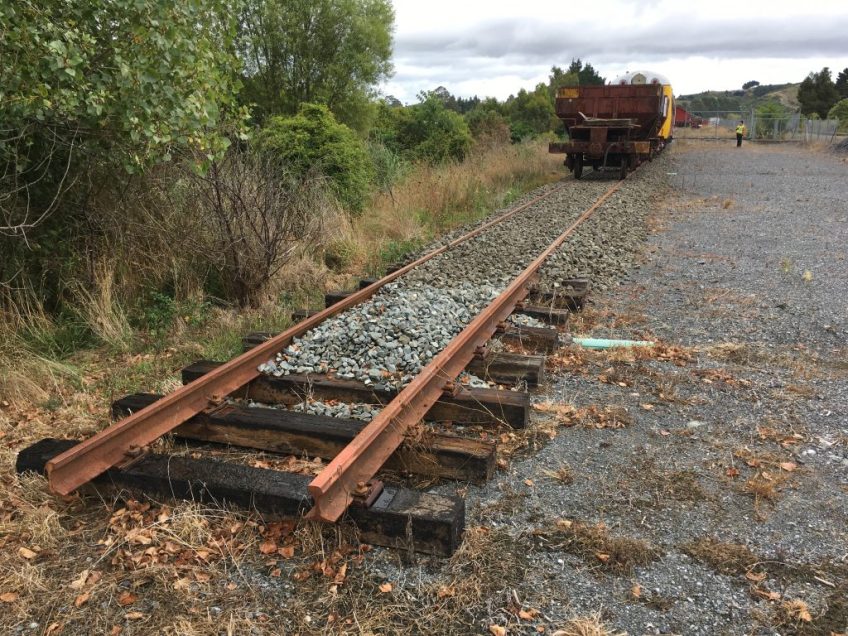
[(716, 125)]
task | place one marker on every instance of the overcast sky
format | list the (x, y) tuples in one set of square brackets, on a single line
[(495, 48)]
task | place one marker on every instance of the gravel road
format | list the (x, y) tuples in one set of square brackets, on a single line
[(715, 499)]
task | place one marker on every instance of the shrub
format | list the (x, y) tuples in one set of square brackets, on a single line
[(488, 127), (840, 112), (424, 132), (389, 166), (258, 218), (313, 142)]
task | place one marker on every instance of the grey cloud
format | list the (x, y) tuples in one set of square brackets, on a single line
[(532, 41)]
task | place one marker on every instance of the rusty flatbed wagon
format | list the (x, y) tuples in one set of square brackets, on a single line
[(615, 125)]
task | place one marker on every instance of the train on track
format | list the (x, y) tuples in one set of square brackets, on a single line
[(618, 125)]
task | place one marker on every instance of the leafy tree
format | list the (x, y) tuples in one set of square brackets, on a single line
[(750, 84), (817, 93), (586, 74), (433, 133), (125, 80), (426, 131), (840, 112), (559, 78), (842, 83), (460, 105), (314, 142), (530, 113), (331, 52), (766, 115)]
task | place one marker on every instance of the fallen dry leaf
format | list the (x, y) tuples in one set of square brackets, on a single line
[(182, 584), (756, 577), (79, 582), (798, 609), (385, 588), (529, 482), (116, 630), (286, 552), (342, 573), (445, 591), (603, 558), (54, 629), (497, 630), (82, 599), (133, 616), (127, 598), (9, 597), (636, 591), (27, 553), (267, 547), (789, 466), (528, 615), (767, 595)]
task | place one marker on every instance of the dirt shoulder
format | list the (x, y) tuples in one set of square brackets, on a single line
[(711, 495)]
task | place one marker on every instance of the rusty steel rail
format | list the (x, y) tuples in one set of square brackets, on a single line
[(125, 440), (351, 470)]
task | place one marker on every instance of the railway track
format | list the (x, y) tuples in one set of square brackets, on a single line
[(297, 366)]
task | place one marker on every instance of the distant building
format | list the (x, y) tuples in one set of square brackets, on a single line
[(682, 117)]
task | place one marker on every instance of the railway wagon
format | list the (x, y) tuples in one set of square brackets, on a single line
[(617, 125)]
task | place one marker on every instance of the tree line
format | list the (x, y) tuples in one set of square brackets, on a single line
[(823, 98), (144, 123)]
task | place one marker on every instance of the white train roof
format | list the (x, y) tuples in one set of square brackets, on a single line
[(641, 77)]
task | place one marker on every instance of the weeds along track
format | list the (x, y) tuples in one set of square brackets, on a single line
[(370, 383)]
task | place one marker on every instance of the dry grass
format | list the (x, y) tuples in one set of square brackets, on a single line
[(661, 484), (101, 310), (434, 199), (586, 626), (26, 375), (564, 474), (595, 544), (96, 565), (592, 416), (723, 557)]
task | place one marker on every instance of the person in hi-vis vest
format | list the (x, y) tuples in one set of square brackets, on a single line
[(740, 132)]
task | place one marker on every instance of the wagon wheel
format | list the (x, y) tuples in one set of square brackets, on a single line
[(578, 166)]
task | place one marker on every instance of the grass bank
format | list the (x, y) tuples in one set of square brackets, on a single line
[(44, 360)]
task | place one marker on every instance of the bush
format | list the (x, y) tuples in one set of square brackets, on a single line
[(767, 114), (258, 218), (313, 142), (488, 127), (389, 166), (424, 132), (840, 112)]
